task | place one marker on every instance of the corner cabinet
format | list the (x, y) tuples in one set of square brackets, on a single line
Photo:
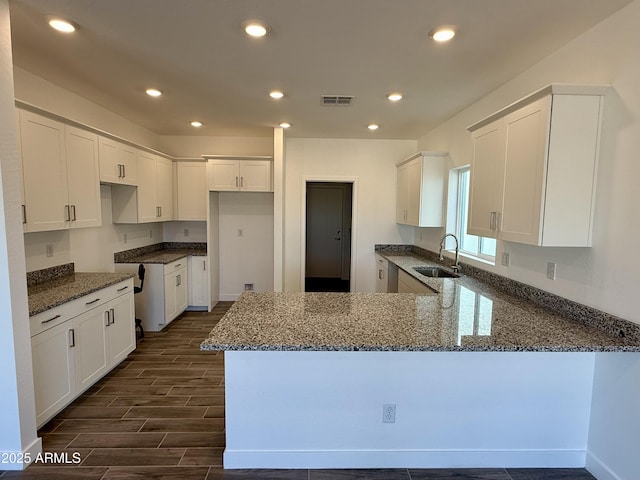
[(64, 191), (75, 344), (420, 189), (239, 175), (533, 171), (152, 199)]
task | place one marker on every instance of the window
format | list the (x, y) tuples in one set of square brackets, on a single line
[(481, 247)]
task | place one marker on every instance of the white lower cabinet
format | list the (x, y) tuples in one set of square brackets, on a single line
[(165, 294), (382, 275), (198, 282), (71, 350), (408, 284)]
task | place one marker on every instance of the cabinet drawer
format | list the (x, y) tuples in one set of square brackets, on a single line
[(119, 289), (88, 302), (172, 267), (50, 318)]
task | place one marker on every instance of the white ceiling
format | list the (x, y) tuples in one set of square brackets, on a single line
[(196, 53)]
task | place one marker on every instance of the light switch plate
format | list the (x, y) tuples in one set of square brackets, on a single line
[(551, 270), (505, 258)]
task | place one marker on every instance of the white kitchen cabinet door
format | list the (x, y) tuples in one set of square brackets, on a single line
[(255, 175), (53, 370), (164, 189), (90, 347), (223, 175), (198, 282), (121, 336), (420, 189), (525, 171), (402, 193), (175, 292), (83, 181), (182, 291), (487, 180), (191, 180), (117, 162), (44, 168), (147, 188), (382, 274)]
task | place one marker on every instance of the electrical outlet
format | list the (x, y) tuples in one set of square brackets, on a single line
[(124, 238), (186, 232), (240, 232), (505, 258), (49, 249), (551, 270), (248, 287), (389, 413)]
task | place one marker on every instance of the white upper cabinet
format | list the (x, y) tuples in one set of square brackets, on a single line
[(230, 175), (60, 175), (82, 177), (420, 189), (152, 199), (118, 162), (191, 180), (533, 172)]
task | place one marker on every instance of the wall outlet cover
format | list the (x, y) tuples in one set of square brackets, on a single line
[(551, 270)]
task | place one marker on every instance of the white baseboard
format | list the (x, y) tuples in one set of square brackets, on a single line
[(405, 459), (598, 469), (229, 297), (31, 452)]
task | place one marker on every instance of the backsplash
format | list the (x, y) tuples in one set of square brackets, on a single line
[(124, 256), (51, 273)]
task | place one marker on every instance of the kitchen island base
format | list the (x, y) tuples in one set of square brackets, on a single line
[(323, 409)]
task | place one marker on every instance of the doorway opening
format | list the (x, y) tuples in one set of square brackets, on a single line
[(328, 237)]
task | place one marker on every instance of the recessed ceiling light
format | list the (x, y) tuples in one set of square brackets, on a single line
[(196, 124), (372, 127), (277, 94), (442, 34), (285, 125), (255, 29), (62, 25), (394, 97), (153, 92)]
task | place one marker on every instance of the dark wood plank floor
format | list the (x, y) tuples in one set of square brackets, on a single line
[(160, 415)]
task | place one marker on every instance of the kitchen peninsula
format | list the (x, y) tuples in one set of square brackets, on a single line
[(477, 378)]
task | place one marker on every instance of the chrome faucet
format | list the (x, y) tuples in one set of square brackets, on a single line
[(455, 267)]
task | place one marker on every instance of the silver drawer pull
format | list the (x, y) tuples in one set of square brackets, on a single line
[(122, 289), (178, 265), (51, 319), (92, 301)]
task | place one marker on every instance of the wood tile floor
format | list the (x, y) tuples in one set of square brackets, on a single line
[(160, 415)]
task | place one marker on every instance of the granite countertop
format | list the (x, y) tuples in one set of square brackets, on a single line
[(466, 315), (52, 293)]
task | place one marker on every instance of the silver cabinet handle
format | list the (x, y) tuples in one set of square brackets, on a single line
[(113, 315), (67, 213), (178, 265), (160, 210), (122, 289), (204, 265), (120, 171), (50, 320), (24, 214), (241, 181), (107, 322), (72, 338), (92, 301), (73, 209), (124, 171), (237, 181), (492, 221), (380, 274), (178, 280), (499, 221)]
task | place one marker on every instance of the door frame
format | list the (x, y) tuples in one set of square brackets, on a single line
[(303, 224)]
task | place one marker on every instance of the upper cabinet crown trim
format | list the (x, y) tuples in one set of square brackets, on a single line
[(422, 154), (552, 89), (237, 157)]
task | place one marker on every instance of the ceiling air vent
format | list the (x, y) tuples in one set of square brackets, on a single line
[(337, 100)]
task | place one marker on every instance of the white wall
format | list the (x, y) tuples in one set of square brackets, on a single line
[(37, 91), (606, 275), (372, 163), (175, 231), (196, 146), (245, 234), (17, 405)]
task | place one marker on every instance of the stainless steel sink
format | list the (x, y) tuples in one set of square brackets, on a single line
[(436, 272)]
